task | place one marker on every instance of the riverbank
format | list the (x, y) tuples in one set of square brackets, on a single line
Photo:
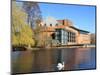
[(55, 47), (42, 48)]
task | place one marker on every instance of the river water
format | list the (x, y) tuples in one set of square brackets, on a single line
[(46, 60)]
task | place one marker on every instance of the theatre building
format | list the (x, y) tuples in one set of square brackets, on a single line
[(65, 32)]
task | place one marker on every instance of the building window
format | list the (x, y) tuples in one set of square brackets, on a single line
[(50, 24), (44, 24), (68, 37), (57, 24), (71, 36), (74, 38)]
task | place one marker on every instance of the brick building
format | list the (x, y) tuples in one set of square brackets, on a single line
[(65, 32)]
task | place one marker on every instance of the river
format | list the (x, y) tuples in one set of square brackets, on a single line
[(46, 60)]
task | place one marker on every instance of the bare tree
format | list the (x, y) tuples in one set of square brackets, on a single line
[(34, 14)]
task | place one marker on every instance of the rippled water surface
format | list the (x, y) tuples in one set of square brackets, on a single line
[(46, 60)]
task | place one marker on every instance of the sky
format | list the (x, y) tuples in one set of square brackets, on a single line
[(83, 17)]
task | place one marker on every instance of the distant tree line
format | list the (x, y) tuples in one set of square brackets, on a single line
[(93, 38)]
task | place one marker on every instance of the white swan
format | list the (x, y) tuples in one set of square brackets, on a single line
[(60, 66)]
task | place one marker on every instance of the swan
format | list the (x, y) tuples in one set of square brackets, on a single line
[(60, 66)]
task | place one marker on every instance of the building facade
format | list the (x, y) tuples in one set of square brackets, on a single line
[(65, 32)]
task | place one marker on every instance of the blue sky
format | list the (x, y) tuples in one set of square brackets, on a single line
[(83, 17)]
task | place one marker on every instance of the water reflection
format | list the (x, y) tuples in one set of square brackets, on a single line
[(47, 60)]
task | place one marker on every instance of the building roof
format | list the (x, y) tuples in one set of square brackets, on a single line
[(79, 29), (51, 23)]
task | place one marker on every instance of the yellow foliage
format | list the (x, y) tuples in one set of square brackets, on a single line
[(22, 34)]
